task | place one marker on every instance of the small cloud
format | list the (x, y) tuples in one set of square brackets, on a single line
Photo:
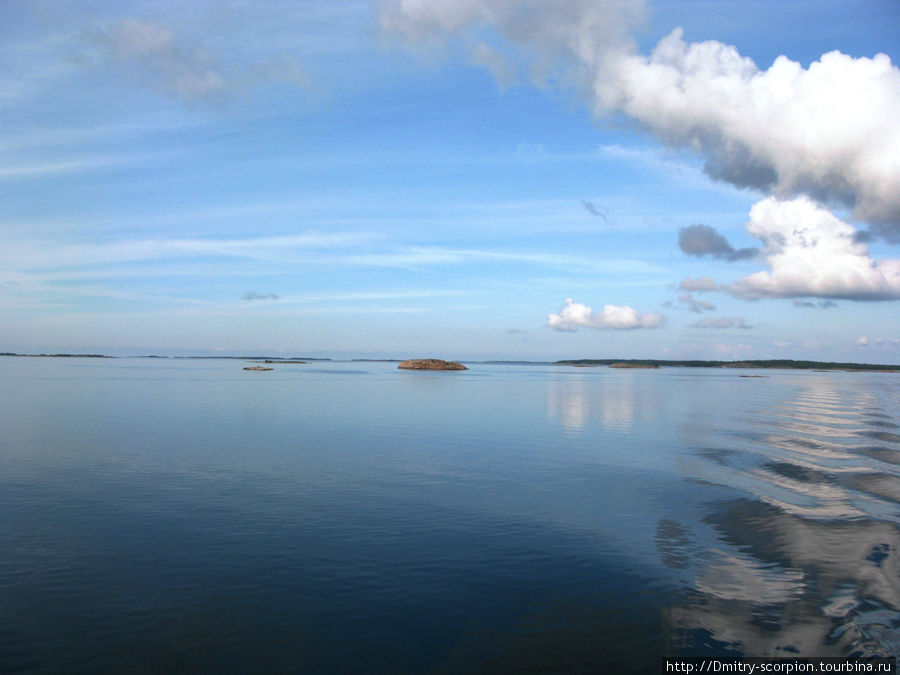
[(722, 322), (822, 304), (878, 342), (575, 315), (595, 210), (700, 284), (695, 305), (515, 331), (259, 296), (703, 240)]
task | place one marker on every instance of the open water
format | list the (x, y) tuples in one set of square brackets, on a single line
[(186, 515)]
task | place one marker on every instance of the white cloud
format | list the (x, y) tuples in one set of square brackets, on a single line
[(830, 131), (575, 315), (878, 342), (586, 29), (812, 253)]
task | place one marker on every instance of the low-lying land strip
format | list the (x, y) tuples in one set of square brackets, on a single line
[(788, 364)]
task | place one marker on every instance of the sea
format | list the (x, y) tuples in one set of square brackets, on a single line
[(186, 515)]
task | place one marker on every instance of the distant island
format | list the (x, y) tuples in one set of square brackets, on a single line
[(431, 364), (788, 364), (264, 359), (61, 356)]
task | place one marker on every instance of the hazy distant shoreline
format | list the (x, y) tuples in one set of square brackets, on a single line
[(783, 364)]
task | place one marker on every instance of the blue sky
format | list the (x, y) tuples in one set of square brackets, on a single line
[(482, 179)]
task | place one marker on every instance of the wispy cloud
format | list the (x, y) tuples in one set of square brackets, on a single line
[(422, 256), (722, 322), (181, 67), (38, 170), (695, 305), (44, 255), (878, 342), (700, 284), (821, 304)]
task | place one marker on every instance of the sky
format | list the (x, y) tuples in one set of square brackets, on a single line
[(466, 179)]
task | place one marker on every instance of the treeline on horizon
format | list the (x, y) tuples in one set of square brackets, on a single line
[(758, 363), (154, 356), (79, 356)]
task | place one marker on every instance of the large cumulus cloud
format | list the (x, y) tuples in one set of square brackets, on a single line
[(829, 131), (811, 253)]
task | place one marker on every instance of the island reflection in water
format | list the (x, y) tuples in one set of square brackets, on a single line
[(178, 515)]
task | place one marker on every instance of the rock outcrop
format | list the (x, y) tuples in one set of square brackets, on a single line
[(431, 364)]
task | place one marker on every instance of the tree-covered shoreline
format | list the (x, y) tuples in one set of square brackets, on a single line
[(784, 364)]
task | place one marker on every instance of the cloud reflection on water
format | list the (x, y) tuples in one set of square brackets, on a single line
[(612, 399), (807, 563)]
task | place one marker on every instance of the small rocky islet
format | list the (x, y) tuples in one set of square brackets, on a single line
[(430, 364)]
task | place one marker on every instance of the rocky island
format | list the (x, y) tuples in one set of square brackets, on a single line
[(431, 364)]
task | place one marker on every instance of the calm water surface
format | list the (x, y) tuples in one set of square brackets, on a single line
[(166, 515)]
